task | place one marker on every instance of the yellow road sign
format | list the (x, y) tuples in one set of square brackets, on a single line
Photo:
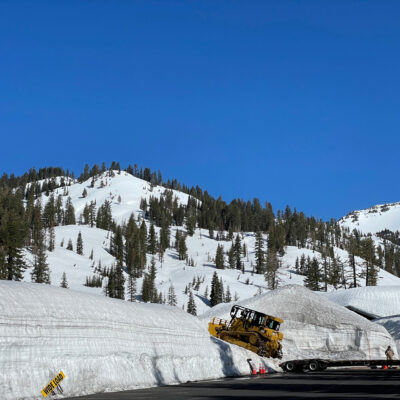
[(53, 384)]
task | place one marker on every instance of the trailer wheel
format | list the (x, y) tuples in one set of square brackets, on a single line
[(313, 365), (290, 366)]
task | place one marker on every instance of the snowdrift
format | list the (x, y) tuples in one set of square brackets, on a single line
[(392, 325), (316, 327), (102, 344), (378, 300)]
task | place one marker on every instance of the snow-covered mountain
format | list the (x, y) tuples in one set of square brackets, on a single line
[(125, 192), (374, 219)]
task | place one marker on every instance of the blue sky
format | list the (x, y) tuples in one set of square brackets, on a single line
[(292, 102)]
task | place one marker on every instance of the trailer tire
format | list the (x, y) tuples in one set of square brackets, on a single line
[(290, 366), (313, 366)]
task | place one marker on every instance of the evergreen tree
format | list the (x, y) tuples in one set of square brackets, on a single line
[(79, 244), (271, 269), (119, 282), (313, 276), (40, 272), (237, 249), (69, 245), (182, 248), (131, 288), (228, 297), (152, 240), (368, 252), (64, 283), (172, 301), (191, 306), (219, 257), (215, 294), (259, 250), (69, 213), (52, 238)]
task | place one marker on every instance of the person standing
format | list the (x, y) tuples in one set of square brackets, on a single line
[(389, 355)]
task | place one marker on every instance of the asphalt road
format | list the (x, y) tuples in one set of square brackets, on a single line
[(334, 384)]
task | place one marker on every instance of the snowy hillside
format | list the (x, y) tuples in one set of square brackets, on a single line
[(316, 327), (374, 219), (379, 301), (121, 185), (125, 193)]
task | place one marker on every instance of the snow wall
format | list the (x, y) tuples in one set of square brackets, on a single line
[(382, 301), (316, 327), (102, 344)]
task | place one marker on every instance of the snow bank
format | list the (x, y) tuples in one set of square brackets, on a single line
[(378, 300), (316, 327), (102, 344), (392, 325)]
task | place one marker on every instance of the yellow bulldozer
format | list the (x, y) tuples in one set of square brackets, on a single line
[(250, 329)]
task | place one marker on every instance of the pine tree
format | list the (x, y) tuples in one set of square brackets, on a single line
[(64, 283), (313, 276), (271, 268), (119, 282), (237, 249), (172, 301), (69, 245), (231, 258), (259, 249), (191, 306), (219, 257), (40, 272), (91, 255), (84, 193), (215, 290), (69, 213), (52, 238), (131, 288), (182, 248), (79, 244), (228, 297), (152, 240)]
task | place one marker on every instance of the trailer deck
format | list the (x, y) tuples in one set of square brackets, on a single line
[(319, 364)]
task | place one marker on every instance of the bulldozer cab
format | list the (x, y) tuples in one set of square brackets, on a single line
[(252, 318)]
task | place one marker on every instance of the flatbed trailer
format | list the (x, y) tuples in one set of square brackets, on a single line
[(319, 364)]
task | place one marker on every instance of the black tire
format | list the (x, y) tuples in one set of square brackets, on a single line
[(290, 366), (313, 365)]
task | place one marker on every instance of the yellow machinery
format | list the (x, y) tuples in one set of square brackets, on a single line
[(250, 329)]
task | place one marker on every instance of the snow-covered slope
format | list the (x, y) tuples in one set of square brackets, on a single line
[(316, 327), (381, 301), (102, 344), (110, 187), (171, 271), (374, 219)]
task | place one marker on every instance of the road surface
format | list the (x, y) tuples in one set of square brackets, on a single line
[(330, 384)]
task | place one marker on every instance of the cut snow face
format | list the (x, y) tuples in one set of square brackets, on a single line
[(381, 301), (102, 344), (392, 325), (374, 219), (314, 326)]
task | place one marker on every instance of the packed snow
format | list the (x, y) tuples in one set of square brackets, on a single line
[(316, 327), (381, 301), (102, 344)]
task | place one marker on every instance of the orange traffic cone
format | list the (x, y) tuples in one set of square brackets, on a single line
[(262, 369), (253, 369), (385, 367)]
